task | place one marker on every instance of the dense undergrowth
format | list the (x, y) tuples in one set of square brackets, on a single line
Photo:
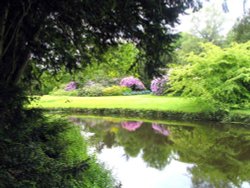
[(48, 153), (43, 151)]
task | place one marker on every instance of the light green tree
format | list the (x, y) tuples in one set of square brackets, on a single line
[(219, 76), (207, 24)]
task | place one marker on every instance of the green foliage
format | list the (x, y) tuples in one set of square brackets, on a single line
[(240, 32), (218, 76), (76, 31), (47, 82), (47, 153), (42, 151), (95, 175), (114, 63), (189, 43), (115, 90), (92, 90), (186, 44), (62, 92)]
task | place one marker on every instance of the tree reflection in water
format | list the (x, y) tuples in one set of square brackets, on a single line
[(220, 154)]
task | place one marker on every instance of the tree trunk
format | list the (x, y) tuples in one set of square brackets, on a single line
[(16, 34)]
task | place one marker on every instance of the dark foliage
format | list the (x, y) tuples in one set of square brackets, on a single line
[(67, 33), (54, 34), (240, 32), (31, 148)]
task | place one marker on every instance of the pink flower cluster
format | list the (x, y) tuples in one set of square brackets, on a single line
[(70, 86), (158, 84), (133, 83)]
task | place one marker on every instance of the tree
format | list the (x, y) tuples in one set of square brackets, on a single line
[(186, 44), (240, 32), (115, 63), (189, 43), (208, 23), (221, 77), (69, 32)]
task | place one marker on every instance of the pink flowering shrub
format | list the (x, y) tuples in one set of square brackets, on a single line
[(70, 86), (131, 125), (133, 83), (160, 129), (158, 85)]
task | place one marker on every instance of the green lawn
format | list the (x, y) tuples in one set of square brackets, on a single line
[(138, 102)]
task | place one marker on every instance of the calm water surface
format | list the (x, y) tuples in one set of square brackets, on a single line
[(170, 155)]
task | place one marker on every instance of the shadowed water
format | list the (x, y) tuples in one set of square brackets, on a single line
[(176, 155)]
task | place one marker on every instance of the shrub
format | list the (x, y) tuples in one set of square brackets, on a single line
[(115, 90), (47, 152), (144, 92), (70, 86), (158, 85), (62, 92), (69, 89), (133, 83), (91, 90), (108, 82), (219, 76)]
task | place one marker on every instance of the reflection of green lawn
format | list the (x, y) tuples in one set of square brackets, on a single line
[(246, 112), (145, 102)]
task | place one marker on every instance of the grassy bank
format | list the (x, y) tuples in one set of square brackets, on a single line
[(140, 105)]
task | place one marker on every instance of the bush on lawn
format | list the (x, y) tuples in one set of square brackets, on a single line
[(115, 90), (92, 90), (159, 85), (144, 92), (134, 83), (219, 76), (70, 86)]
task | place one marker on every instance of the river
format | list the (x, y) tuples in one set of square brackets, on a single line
[(162, 154)]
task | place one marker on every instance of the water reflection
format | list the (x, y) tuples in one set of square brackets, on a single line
[(210, 156), (160, 129), (131, 125)]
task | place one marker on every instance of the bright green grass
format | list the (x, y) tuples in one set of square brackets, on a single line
[(139, 102)]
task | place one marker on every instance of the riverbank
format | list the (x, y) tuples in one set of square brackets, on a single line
[(143, 106)]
